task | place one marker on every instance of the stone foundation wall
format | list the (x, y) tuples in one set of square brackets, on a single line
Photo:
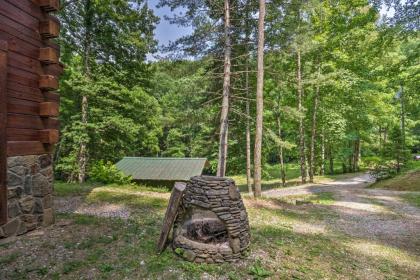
[(29, 186)]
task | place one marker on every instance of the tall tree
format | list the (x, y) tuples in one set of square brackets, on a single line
[(260, 101), (110, 37), (224, 120)]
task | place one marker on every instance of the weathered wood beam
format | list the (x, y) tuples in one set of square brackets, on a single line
[(50, 28), (48, 82), (49, 5), (48, 55), (48, 109), (170, 215), (49, 136)]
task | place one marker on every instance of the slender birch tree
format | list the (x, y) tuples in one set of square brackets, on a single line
[(260, 101)]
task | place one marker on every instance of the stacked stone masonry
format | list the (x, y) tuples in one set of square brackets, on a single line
[(29, 194), (210, 196)]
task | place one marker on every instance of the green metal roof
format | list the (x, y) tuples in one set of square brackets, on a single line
[(170, 169)]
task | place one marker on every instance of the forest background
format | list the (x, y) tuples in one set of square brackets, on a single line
[(341, 85)]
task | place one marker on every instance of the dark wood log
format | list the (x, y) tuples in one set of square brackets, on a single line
[(53, 69), (27, 93), (25, 63), (21, 106), (51, 123), (48, 55), (29, 7), (19, 134), (171, 213), (48, 82), (22, 148), (24, 121), (49, 29), (18, 15), (3, 125), (49, 136), (48, 109), (46, 136), (52, 97), (49, 5)]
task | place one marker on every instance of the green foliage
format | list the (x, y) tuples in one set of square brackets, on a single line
[(258, 271), (353, 59), (107, 173), (413, 199)]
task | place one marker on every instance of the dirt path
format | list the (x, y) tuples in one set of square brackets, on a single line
[(370, 214)]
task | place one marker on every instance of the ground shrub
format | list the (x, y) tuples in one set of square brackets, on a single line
[(107, 173)]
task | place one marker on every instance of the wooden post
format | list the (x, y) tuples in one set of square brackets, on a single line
[(3, 137), (171, 213)]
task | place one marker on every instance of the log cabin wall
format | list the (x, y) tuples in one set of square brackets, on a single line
[(29, 70)]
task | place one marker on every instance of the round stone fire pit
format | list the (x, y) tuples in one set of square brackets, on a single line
[(212, 224)]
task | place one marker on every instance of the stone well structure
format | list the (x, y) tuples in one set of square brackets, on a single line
[(212, 224)]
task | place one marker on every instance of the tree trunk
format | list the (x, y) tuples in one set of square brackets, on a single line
[(82, 157), (260, 102), (303, 170), (331, 159), (248, 130), (224, 121), (282, 169), (248, 125), (322, 153), (313, 132), (402, 123)]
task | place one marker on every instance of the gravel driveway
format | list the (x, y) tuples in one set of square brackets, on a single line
[(370, 214)]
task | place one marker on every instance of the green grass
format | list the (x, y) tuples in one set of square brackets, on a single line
[(4, 260), (288, 242), (413, 199), (408, 180)]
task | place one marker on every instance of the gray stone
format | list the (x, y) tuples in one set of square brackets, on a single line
[(11, 227), (48, 217), (29, 218), (235, 244), (27, 185), (48, 201), (48, 172), (45, 161), (13, 209), (39, 206), (22, 229), (189, 255), (13, 161), (199, 260), (19, 170), (200, 203), (40, 185), (14, 179), (27, 204), (234, 192), (2, 233), (14, 192)]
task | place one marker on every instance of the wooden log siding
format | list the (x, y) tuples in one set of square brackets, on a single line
[(3, 131), (29, 70), (33, 68)]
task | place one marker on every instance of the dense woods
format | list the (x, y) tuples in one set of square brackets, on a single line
[(340, 88)]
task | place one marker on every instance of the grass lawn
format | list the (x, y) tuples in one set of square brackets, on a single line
[(288, 242)]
